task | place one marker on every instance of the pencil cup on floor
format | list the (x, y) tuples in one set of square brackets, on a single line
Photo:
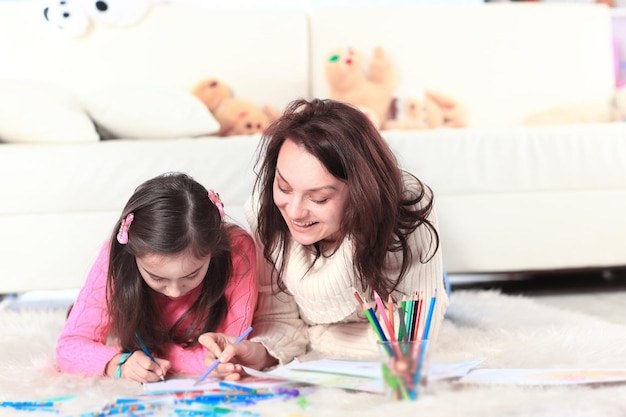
[(403, 368)]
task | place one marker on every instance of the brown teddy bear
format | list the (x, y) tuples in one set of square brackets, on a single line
[(235, 116), (424, 109), (212, 92), (349, 83), (240, 117)]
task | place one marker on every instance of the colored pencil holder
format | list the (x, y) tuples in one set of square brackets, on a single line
[(403, 368)]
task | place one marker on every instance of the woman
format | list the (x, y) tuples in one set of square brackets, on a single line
[(332, 212)]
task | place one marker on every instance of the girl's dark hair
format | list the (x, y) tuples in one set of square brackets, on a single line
[(172, 215), (380, 213)]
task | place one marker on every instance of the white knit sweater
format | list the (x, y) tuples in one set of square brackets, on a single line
[(320, 314)]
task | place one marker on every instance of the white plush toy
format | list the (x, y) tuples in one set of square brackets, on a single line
[(72, 18), (117, 12), (593, 111), (68, 17)]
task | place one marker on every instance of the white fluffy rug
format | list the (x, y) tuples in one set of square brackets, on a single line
[(509, 331)]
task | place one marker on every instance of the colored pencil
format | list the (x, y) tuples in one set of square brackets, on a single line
[(358, 297), (145, 350), (418, 318), (425, 333), (371, 316), (429, 315), (402, 336), (410, 316), (390, 308), (383, 315), (217, 361)]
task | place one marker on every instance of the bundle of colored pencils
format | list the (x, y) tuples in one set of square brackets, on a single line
[(404, 343)]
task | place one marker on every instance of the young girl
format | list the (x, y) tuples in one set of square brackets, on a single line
[(172, 270), (332, 211)]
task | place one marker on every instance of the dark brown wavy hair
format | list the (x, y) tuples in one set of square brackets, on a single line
[(380, 214), (172, 215)]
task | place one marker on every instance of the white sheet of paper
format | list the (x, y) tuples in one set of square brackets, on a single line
[(356, 374), (180, 385), (566, 376)]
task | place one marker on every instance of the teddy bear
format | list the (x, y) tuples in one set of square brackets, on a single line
[(235, 116), (240, 117), (348, 81), (424, 109), (212, 92)]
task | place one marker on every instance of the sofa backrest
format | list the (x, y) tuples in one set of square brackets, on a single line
[(261, 54), (504, 61)]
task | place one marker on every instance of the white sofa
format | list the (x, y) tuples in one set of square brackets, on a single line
[(510, 197)]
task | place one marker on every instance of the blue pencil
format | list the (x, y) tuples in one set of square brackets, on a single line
[(217, 361), (422, 352), (145, 350)]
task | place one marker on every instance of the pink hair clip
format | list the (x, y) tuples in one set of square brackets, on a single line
[(122, 234), (215, 198)]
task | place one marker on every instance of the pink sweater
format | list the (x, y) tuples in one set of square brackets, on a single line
[(82, 346)]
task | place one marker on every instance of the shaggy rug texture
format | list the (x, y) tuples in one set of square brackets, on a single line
[(509, 331)]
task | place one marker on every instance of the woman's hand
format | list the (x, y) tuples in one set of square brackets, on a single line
[(139, 367), (234, 357)]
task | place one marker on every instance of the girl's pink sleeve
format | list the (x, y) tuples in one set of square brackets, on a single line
[(241, 294), (242, 291), (81, 346)]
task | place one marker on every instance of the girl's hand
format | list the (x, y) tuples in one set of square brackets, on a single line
[(233, 357), (139, 367)]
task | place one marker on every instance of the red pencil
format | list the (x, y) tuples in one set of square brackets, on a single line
[(358, 297)]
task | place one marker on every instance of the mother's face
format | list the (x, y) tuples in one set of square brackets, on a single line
[(311, 200)]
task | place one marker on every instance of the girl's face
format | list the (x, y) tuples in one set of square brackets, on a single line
[(172, 275), (311, 200)]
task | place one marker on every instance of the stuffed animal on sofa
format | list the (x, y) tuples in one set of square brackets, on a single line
[(68, 17), (424, 109), (350, 83), (212, 92), (117, 12), (592, 111), (240, 117), (236, 116), (72, 18)]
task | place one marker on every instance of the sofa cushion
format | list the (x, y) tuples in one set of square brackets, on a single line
[(149, 111), (38, 111)]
